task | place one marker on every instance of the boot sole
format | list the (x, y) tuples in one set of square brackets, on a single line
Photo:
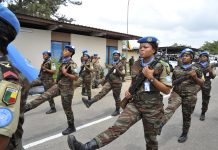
[(69, 139)]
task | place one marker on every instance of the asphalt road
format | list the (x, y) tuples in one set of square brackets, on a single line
[(43, 132)]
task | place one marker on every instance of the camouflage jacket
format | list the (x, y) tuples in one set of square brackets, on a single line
[(17, 78), (189, 85), (115, 76), (44, 75), (161, 73)]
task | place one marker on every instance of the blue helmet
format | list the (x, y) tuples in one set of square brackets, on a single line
[(123, 56), (84, 51), (204, 53), (116, 52), (10, 18), (150, 39), (46, 52), (86, 54), (70, 48), (187, 51), (95, 54)]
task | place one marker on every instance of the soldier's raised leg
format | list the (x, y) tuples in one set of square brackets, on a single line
[(46, 96), (127, 118)]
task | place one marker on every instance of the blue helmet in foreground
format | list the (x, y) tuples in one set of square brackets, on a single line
[(9, 17)]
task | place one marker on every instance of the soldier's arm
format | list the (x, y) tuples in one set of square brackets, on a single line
[(212, 71), (162, 85), (73, 75)]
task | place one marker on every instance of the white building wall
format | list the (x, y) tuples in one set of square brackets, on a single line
[(92, 44), (31, 43)]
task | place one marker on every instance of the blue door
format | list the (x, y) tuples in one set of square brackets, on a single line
[(56, 49), (109, 55)]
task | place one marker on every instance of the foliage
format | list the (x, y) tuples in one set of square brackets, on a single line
[(41, 8), (212, 47)]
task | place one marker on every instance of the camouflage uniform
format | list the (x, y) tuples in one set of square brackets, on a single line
[(46, 79), (206, 88), (147, 106), (96, 74), (114, 83), (14, 86), (63, 87), (17, 78), (87, 77), (184, 93)]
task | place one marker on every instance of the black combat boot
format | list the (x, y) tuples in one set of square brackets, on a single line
[(202, 117), (52, 110), (76, 145), (183, 137), (71, 128), (27, 108), (116, 112), (87, 102)]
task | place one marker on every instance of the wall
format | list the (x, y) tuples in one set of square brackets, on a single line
[(92, 44), (31, 43)]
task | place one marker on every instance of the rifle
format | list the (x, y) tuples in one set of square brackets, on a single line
[(181, 79), (81, 70), (60, 74), (186, 77), (140, 78), (109, 72)]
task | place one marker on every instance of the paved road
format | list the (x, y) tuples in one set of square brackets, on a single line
[(42, 132)]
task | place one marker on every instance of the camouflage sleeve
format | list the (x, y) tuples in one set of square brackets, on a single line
[(74, 69), (213, 71), (164, 70), (198, 71)]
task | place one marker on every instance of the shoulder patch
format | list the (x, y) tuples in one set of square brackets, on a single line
[(6, 117), (10, 96)]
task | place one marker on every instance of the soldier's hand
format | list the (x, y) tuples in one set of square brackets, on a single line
[(148, 73), (209, 69), (44, 69), (127, 94), (193, 74), (64, 70)]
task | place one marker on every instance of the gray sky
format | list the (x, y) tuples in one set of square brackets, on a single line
[(189, 22)]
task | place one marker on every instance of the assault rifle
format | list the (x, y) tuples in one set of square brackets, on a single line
[(60, 74), (110, 72), (140, 78), (186, 77)]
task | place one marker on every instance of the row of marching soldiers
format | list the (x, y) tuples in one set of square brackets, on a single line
[(143, 100)]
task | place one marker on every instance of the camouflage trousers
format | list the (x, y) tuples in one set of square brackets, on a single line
[(188, 102), (116, 89), (95, 79), (47, 84), (66, 99), (87, 84), (174, 102), (205, 95), (149, 108)]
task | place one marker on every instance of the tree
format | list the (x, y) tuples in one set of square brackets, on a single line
[(212, 47), (41, 8)]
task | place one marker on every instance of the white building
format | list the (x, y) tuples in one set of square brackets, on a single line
[(39, 34)]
